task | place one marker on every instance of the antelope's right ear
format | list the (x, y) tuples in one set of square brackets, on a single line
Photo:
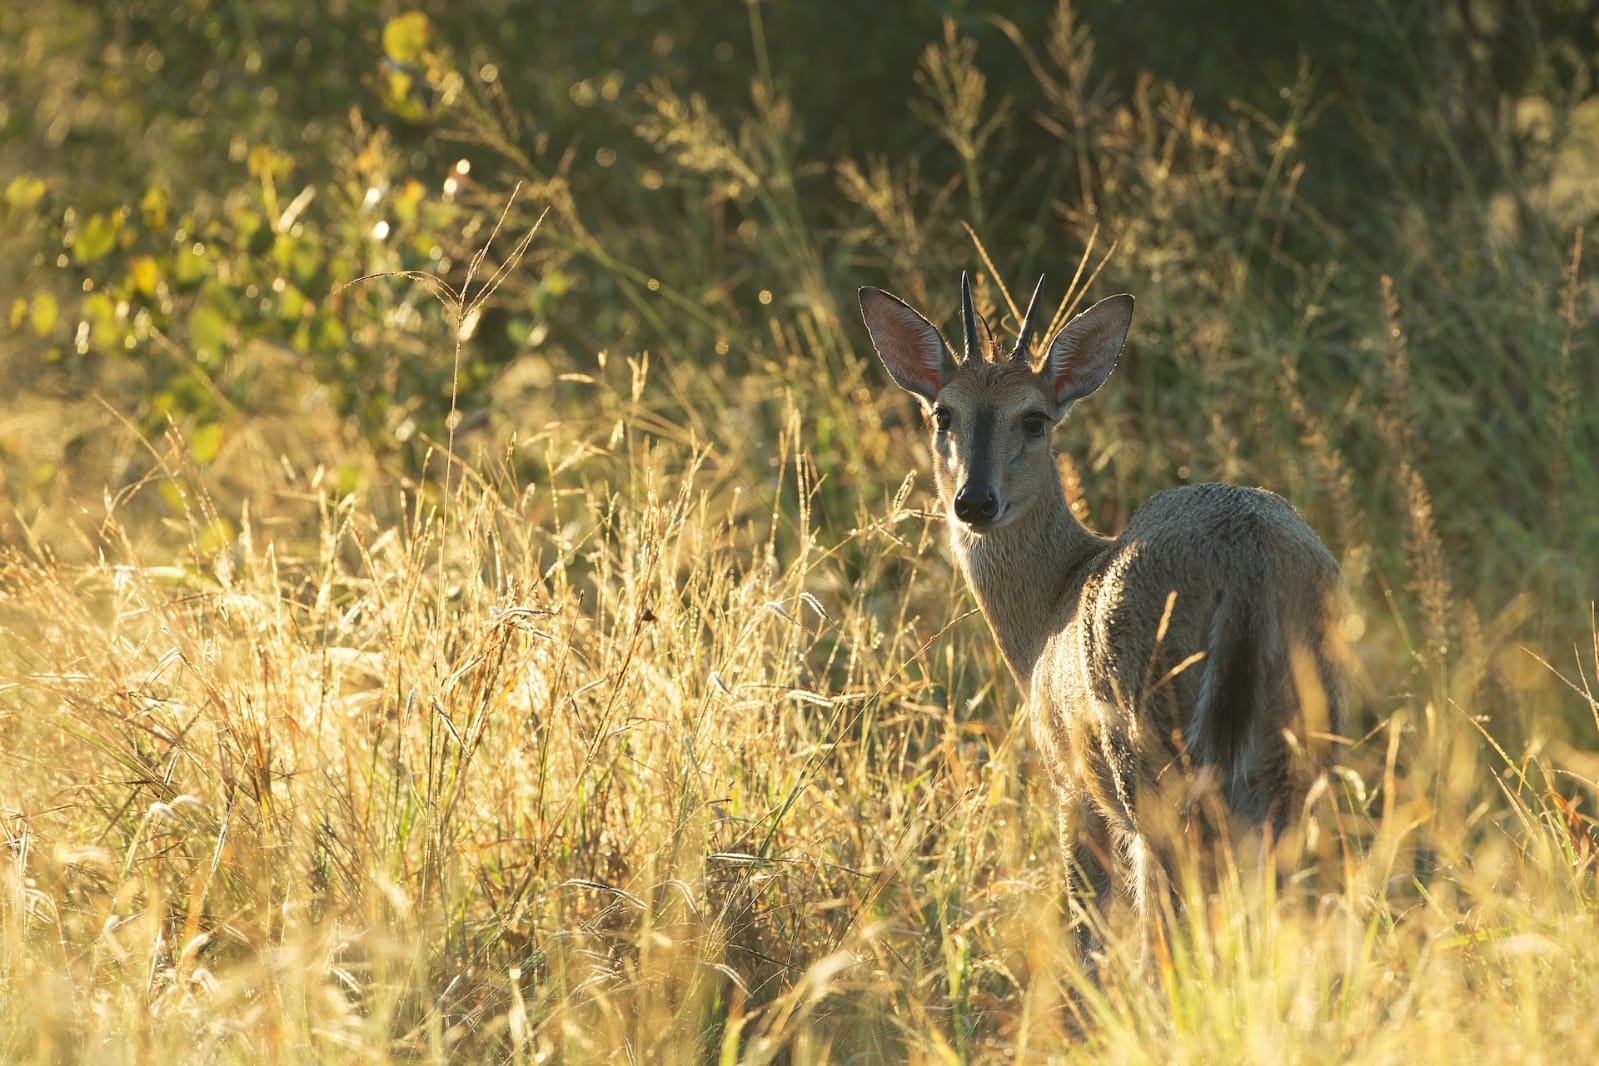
[(910, 346)]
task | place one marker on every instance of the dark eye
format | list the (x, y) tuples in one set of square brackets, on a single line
[(941, 418), (1034, 424)]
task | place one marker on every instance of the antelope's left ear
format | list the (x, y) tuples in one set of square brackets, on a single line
[(1084, 352), (910, 346)]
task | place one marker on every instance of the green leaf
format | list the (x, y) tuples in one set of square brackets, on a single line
[(405, 37), (292, 304), (215, 536), (96, 237), (261, 241), (306, 262), (205, 442), (208, 334), (175, 494), (330, 334), (189, 266), (349, 478), (105, 332)]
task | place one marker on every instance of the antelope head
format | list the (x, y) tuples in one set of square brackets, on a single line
[(991, 414)]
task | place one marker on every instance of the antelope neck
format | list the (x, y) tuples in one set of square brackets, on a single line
[(1025, 575)]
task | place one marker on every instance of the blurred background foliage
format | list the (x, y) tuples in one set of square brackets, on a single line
[(1357, 233), (267, 266)]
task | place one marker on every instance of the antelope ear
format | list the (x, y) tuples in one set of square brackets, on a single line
[(910, 346), (1082, 355)]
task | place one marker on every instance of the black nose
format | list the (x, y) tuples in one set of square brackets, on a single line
[(974, 505)]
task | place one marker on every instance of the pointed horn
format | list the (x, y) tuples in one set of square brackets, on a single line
[(969, 318), (988, 334), (1024, 339)]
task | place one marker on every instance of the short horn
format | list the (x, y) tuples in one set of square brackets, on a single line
[(969, 318), (1024, 339)]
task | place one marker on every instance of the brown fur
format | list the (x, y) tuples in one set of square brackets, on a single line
[(1195, 658)]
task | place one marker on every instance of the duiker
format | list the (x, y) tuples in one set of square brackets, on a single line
[(1184, 676)]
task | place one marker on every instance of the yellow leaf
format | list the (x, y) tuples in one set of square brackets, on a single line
[(405, 36), (407, 199), (42, 316), (154, 208), (145, 275), (266, 161), (19, 312), (399, 86), (24, 192)]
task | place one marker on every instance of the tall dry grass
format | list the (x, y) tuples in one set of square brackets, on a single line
[(589, 765)]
